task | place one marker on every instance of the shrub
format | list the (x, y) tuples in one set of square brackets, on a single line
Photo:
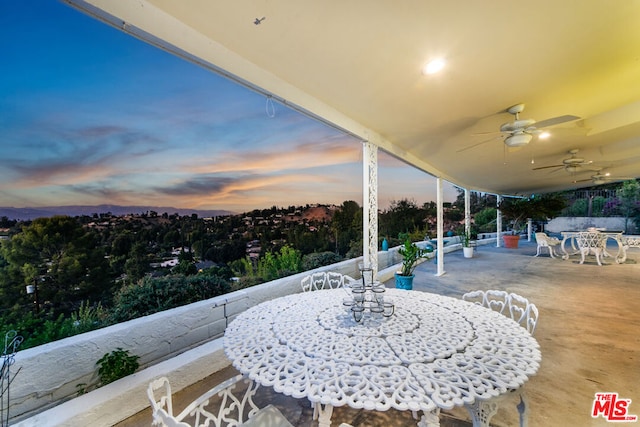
[(115, 365), (284, 263), (319, 259), (151, 295)]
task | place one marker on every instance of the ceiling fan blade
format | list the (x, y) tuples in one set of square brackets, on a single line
[(547, 167), (469, 147), (486, 133), (556, 121)]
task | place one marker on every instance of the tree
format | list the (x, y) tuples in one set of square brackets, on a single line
[(347, 225), (403, 216), (485, 220), (629, 195), (63, 258), (541, 207)]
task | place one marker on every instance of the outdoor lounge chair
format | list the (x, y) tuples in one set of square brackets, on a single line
[(545, 241)]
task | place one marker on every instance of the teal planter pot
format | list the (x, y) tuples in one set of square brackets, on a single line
[(404, 282)]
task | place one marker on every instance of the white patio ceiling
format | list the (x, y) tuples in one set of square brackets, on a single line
[(357, 65)]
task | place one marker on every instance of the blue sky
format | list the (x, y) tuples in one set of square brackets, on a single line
[(90, 115)]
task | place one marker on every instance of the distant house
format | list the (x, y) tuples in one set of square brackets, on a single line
[(169, 263)]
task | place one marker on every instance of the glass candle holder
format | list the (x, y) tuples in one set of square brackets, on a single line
[(358, 312), (378, 294), (358, 294), (347, 303), (388, 309)]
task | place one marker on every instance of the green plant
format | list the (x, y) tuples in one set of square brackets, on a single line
[(465, 238), (115, 365), (411, 253), (542, 207)]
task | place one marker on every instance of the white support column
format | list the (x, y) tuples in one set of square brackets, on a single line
[(529, 229), (439, 225), (498, 222), (467, 211), (370, 205)]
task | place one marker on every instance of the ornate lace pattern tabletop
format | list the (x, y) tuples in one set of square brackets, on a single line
[(434, 352)]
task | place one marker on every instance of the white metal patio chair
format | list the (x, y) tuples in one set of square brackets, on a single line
[(326, 280), (523, 312), (229, 410), (493, 299), (591, 242), (520, 310), (313, 282), (544, 241)]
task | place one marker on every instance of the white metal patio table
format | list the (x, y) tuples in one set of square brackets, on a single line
[(571, 236), (433, 353)]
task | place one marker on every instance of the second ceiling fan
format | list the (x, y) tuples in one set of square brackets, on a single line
[(571, 164), (519, 132), (602, 177)]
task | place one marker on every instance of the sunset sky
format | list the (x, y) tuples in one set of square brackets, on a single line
[(90, 115)]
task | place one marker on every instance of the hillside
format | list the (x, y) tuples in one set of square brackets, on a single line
[(23, 214)]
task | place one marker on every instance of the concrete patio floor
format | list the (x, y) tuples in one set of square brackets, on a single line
[(587, 331)]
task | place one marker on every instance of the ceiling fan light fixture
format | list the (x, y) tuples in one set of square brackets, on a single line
[(571, 168), (518, 139)]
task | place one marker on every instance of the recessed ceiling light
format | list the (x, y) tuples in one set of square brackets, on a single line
[(434, 66), (544, 135)]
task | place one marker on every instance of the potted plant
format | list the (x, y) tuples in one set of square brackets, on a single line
[(410, 253), (465, 240), (517, 211)]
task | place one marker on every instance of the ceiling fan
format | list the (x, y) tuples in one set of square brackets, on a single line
[(519, 132), (571, 164), (602, 177)]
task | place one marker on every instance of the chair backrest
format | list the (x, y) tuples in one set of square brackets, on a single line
[(495, 300), (313, 282), (306, 283), (591, 239), (318, 281), (236, 405), (326, 280), (543, 240), (523, 312), (509, 304), (159, 394), (335, 280)]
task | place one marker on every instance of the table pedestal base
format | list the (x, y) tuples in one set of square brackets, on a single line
[(322, 413), (429, 419), (482, 411)]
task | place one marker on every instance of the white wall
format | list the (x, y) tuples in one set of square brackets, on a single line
[(560, 224)]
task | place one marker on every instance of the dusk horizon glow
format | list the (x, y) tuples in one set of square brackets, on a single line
[(90, 115)]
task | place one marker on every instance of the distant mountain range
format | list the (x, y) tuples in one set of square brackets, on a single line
[(23, 214)]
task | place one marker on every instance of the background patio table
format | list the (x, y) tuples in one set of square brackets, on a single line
[(617, 236), (434, 352)]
